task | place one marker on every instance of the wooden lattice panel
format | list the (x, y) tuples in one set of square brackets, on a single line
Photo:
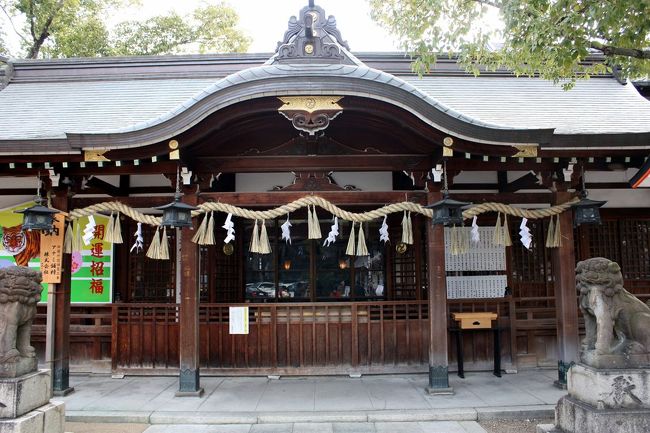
[(478, 273), (635, 249), (484, 256), (476, 286), (152, 280), (531, 273)]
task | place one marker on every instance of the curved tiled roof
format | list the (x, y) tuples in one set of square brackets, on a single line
[(147, 108), (301, 72)]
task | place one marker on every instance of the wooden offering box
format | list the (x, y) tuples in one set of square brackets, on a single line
[(475, 320)]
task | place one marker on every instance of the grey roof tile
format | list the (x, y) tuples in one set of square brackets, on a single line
[(40, 110), (598, 105)]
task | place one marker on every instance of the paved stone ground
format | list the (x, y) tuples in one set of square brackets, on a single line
[(377, 404), (262, 400), (405, 427)]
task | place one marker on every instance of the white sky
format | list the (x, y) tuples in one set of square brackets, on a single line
[(265, 21)]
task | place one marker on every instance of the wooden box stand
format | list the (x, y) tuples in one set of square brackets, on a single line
[(477, 321)]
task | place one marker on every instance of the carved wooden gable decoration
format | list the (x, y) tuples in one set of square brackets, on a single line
[(313, 38), (310, 113)]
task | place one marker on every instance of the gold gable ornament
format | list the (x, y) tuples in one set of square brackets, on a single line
[(95, 155), (310, 113)]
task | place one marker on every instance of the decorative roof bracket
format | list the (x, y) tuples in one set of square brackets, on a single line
[(310, 113)]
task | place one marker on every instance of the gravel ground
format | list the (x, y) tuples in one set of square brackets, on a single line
[(513, 426)]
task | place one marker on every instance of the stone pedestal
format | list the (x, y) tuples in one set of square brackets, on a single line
[(25, 405), (615, 400), (18, 367)]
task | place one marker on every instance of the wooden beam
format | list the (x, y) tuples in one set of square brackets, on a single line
[(270, 164), (141, 202), (125, 184), (342, 198), (508, 198), (438, 361), (60, 304), (566, 303), (105, 187), (189, 377), (502, 179), (527, 181)]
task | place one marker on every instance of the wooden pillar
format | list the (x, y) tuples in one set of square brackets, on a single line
[(438, 358), (58, 316), (566, 303), (189, 380)]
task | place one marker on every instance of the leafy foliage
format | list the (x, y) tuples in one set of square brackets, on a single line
[(209, 29), (76, 28), (552, 38), (3, 46)]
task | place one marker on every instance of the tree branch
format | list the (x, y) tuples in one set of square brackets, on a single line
[(13, 26), (494, 3), (45, 33), (610, 50), (31, 20)]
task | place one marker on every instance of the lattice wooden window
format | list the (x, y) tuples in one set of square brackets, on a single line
[(407, 284), (626, 241), (635, 248), (152, 280), (531, 270), (219, 278), (205, 273), (604, 240)]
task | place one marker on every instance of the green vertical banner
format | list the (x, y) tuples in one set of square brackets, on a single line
[(91, 268)]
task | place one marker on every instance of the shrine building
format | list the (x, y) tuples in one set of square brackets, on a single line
[(308, 172)]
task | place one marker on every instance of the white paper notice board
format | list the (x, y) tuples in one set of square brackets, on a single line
[(239, 320)]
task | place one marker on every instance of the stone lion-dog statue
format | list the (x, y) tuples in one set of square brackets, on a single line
[(20, 291), (617, 324)]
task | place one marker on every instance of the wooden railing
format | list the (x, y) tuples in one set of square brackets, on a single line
[(308, 336), (332, 336), (145, 336), (90, 331), (319, 337)]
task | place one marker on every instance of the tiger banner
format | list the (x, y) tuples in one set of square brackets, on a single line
[(91, 267)]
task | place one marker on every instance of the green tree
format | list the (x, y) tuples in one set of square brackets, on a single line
[(73, 28), (209, 29), (3, 46), (551, 38)]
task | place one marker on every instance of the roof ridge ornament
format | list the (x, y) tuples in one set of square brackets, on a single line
[(313, 38)]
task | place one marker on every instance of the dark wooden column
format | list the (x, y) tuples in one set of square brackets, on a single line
[(438, 358), (59, 314), (189, 380), (566, 303)]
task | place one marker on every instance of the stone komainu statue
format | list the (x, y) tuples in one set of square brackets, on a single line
[(617, 324), (20, 290)]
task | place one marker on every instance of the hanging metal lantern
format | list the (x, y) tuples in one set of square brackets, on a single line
[(177, 213), (586, 211), (38, 217), (447, 212)]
